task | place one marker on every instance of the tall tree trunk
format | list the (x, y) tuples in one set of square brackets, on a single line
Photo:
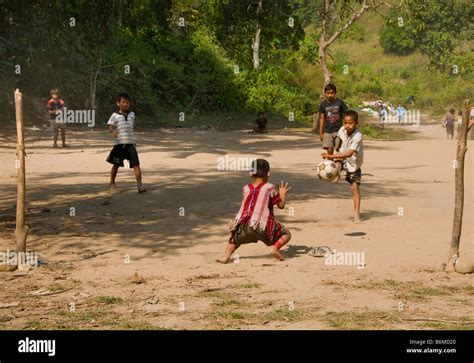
[(459, 188), (21, 230), (119, 20), (256, 40), (256, 47), (93, 83), (323, 61)]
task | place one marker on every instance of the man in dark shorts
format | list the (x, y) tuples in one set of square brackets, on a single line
[(330, 118), (120, 125)]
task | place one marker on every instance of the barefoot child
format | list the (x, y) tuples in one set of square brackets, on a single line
[(55, 106), (255, 220), (350, 156), (120, 125)]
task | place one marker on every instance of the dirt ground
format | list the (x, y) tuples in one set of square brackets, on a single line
[(131, 261)]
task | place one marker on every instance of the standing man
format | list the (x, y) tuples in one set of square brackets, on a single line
[(331, 111)]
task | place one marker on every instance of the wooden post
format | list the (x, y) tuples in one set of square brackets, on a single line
[(21, 230), (459, 188)]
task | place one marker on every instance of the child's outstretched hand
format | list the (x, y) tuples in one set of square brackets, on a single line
[(327, 156), (283, 189)]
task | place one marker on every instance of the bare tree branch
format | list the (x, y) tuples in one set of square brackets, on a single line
[(353, 18)]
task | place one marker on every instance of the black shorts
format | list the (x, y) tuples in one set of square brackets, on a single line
[(354, 177), (121, 152)]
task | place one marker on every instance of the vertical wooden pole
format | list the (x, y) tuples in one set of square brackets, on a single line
[(459, 187), (21, 230)]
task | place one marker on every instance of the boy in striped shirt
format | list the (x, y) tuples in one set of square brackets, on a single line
[(255, 220), (120, 125)]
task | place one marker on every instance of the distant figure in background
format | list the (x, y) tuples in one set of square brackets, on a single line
[(383, 113), (262, 124), (449, 123), (401, 112), (459, 122), (411, 100), (55, 106)]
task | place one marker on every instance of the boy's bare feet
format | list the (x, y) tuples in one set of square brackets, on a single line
[(277, 253), (357, 219), (112, 187), (223, 260), (55, 145)]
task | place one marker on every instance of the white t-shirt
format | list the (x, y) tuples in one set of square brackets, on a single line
[(352, 142), (124, 125)]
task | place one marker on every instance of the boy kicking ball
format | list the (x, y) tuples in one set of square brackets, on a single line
[(120, 125), (350, 156), (255, 220)]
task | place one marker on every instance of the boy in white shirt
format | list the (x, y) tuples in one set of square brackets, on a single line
[(120, 125), (350, 156)]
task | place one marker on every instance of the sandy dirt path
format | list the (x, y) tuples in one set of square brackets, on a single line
[(135, 262)]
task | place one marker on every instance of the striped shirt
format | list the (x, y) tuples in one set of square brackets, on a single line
[(124, 124), (257, 208)]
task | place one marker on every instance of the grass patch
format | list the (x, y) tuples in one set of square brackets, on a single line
[(137, 325), (231, 302), (100, 317), (445, 326), (466, 289), (35, 324), (387, 284), (414, 290), (417, 292), (108, 300), (284, 314), (360, 320), (55, 287), (248, 285)]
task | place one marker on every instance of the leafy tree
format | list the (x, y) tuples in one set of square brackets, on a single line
[(434, 27)]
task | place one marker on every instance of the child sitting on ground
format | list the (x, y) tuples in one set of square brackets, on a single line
[(262, 124), (255, 220)]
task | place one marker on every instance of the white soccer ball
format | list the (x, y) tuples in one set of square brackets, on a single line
[(327, 170)]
